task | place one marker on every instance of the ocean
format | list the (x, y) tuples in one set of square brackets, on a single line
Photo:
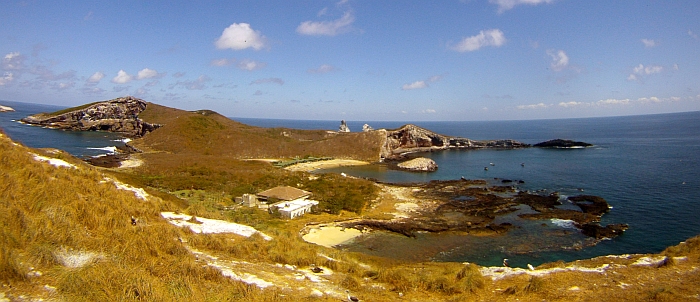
[(646, 167), (78, 143)]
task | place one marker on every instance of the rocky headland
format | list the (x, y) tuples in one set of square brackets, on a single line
[(411, 138), (120, 115), (6, 108)]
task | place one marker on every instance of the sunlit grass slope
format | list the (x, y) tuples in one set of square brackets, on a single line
[(209, 133), (66, 232)]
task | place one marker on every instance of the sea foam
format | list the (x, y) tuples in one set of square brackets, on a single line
[(563, 223)]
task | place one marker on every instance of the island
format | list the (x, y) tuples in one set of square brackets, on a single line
[(174, 227)]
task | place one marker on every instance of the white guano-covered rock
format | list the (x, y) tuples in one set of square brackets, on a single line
[(420, 164)]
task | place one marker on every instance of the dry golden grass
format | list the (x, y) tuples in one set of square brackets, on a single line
[(49, 213), (46, 211), (209, 133)]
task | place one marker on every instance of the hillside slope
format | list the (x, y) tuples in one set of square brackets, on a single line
[(207, 132)]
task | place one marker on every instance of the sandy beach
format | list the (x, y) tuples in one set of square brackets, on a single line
[(330, 236), (326, 164)]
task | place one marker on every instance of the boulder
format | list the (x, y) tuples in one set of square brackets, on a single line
[(599, 232), (420, 164), (367, 128)]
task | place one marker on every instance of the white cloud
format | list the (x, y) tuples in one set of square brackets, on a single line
[(96, 77), (250, 65), (222, 62), (615, 102), (240, 36), (489, 37), (612, 102), (692, 34), (435, 78), (46, 74), (92, 91), (559, 59), (533, 106), (325, 68), (572, 104), (429, 111), (13, 61), (268, 81), (147, 74), (648, 43), (198, 84), (122, 77), (421, 84), (63, 85), (642, 70), (414, 85), (675, 67), (6, 78), (504, 5), (327, 28)]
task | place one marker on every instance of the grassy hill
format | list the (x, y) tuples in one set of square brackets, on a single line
[(66, 235), (209, 133)]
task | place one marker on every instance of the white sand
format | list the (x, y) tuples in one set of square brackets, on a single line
[(499, 272), (330, 236), (326, 164), (207, 226), (54, 161), (130, 163), (138, 192)]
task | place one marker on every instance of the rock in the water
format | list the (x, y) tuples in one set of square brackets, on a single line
[(343, 127), (562, 143), (6, 109), (366, 128), (420, 164), (118, 115), (599, 232)]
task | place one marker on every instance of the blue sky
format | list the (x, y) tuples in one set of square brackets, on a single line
[(359, 60)]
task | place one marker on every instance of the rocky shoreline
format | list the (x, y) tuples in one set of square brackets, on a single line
[(472, 206)]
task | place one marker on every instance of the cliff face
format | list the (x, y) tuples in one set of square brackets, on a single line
[(118, 115), (411, 138)]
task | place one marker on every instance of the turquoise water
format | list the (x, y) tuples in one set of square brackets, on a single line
[(646, 167)]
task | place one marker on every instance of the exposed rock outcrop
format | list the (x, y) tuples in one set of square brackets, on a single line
[(562, 143), (411, 138), (118, 115), (420, 164), (343, 127), (367, 128), (6, 108)]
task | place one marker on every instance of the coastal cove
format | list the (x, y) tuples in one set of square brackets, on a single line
[(644, 166)]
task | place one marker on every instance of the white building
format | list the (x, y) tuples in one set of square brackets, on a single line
[(288, 201)]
